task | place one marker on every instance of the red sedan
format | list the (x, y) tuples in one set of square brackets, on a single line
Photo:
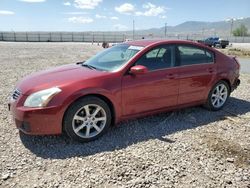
[(129, 80)]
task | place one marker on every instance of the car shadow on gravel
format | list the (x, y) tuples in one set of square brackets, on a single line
[(133, 131)]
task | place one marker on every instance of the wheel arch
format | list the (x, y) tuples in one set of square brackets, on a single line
[(100, 96), (208, 104), (216, 81), (228, 83), (109, 103)]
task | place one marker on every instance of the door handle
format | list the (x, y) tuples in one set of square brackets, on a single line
[(210, 70), (170, 76)]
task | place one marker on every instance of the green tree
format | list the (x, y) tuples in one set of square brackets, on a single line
[(241, 31)]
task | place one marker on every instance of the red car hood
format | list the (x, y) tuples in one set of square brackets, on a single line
[(58, 76)]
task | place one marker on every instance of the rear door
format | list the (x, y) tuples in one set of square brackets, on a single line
[(196, 72)]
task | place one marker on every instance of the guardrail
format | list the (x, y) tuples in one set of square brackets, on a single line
[(112, 37)]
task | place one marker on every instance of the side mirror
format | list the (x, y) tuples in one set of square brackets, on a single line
[(138, 69)]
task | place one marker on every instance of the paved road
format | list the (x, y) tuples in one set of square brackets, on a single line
[(245, 65)]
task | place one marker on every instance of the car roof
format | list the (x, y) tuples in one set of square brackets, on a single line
[(146, 43)]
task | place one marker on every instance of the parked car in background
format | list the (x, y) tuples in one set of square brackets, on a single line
[(215, 41), (127, 40), (129, 80), (105, 45)]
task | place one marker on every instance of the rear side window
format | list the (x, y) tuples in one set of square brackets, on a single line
[(191, 55)]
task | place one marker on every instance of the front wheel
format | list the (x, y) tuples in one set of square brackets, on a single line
[(87, 119), (218, 96)]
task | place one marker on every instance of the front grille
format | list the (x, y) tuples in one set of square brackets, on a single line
[(16, 94)]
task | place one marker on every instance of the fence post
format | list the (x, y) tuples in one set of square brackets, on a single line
[(39, 37), (27, 40), (61, 36), (93, 38), (83, 37), (14, 36), (2, 36), (72, 37), (50, 38)]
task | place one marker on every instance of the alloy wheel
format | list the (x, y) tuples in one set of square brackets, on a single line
[(89, 121), (219, 95)]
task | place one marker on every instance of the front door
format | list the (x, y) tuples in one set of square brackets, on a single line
[(155, 89)]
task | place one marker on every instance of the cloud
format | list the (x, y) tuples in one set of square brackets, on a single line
[(114, 18), (98, 16), (151, 10), (86, 4), (125, 8), (33, 1), (6, 12), (67, 3), (120, 27), (82, 20), (162, 16), (75, 13)]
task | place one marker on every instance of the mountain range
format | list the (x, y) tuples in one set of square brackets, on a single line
[(200, 27)]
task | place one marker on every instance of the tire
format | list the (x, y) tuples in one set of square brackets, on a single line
[(223, 46), (218, 96), (87, 119)]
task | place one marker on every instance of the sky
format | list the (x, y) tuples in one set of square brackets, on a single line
[(113, 15)]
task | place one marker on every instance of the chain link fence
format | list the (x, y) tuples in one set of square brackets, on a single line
[(101, 37)]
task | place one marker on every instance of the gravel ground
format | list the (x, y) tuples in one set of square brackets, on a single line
[(187, 148), (245, 46), (237, 49)]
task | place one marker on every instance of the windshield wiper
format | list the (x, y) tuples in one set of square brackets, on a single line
[(89, 66), (81, 62)]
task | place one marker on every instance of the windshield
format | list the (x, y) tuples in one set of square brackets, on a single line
[(113, 58)]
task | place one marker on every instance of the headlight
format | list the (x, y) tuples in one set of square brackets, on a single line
[(41, 98)]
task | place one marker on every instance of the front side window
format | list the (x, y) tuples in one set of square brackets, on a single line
[(113, 58), (190, 55), (157, 58)]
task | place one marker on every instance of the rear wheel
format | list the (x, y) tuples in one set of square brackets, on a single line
[(87, 119), (218, 96)]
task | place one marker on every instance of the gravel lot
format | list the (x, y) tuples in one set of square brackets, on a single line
[(187, 148)]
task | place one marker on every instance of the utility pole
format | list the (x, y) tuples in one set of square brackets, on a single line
[(231, 29), (203, 30), (165, 30), (133, 29)]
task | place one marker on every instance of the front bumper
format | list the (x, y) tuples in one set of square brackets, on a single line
[(37, 121)]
